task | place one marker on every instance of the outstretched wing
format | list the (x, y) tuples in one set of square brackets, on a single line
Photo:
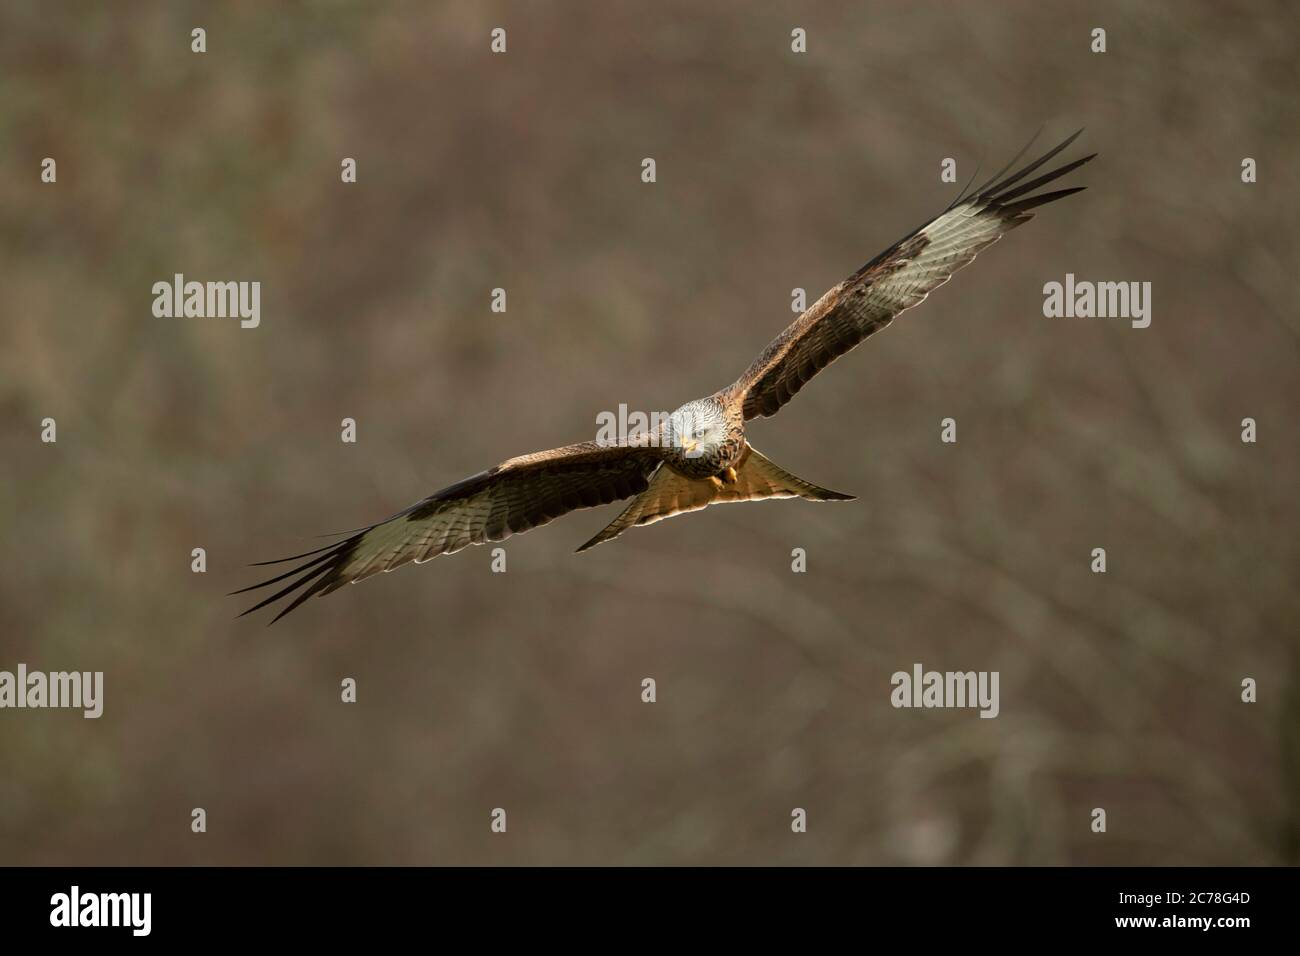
[(513, 497), (897, 279)]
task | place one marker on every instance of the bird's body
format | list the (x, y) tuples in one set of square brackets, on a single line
[(700, 455), (704, 438)]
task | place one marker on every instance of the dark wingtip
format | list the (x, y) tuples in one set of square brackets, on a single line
[(292, 557), (1033, 202), (312, 577), (1000, 189)]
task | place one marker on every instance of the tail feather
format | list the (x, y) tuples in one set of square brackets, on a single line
[(669, 493)]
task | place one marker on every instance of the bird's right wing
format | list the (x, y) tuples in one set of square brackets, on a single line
[(513, 497)]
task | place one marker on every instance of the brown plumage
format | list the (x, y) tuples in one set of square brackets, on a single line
[(700, 456)]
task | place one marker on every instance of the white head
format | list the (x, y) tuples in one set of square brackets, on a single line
[(698, 428)]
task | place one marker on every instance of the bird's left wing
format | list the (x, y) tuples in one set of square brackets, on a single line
[(515, 496), (897, 279)]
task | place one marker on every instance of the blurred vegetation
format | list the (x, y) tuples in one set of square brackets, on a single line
[(522, 690)]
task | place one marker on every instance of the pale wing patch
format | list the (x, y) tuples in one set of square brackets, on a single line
[(390, 545)]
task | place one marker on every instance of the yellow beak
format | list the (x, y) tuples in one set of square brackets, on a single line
[(689, 445)]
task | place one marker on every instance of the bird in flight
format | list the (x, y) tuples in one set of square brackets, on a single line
[(699, 455)]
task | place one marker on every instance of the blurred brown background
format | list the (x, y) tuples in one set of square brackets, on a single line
[(776, 170)]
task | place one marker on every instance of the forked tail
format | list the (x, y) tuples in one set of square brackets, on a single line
[(757, 477)]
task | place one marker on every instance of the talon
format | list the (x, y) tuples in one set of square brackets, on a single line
[(729, 476), (717, 482)]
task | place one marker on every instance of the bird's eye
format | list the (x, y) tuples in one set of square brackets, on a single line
[(700, 432)]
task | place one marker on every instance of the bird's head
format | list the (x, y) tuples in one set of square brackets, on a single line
[(697, 428)]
